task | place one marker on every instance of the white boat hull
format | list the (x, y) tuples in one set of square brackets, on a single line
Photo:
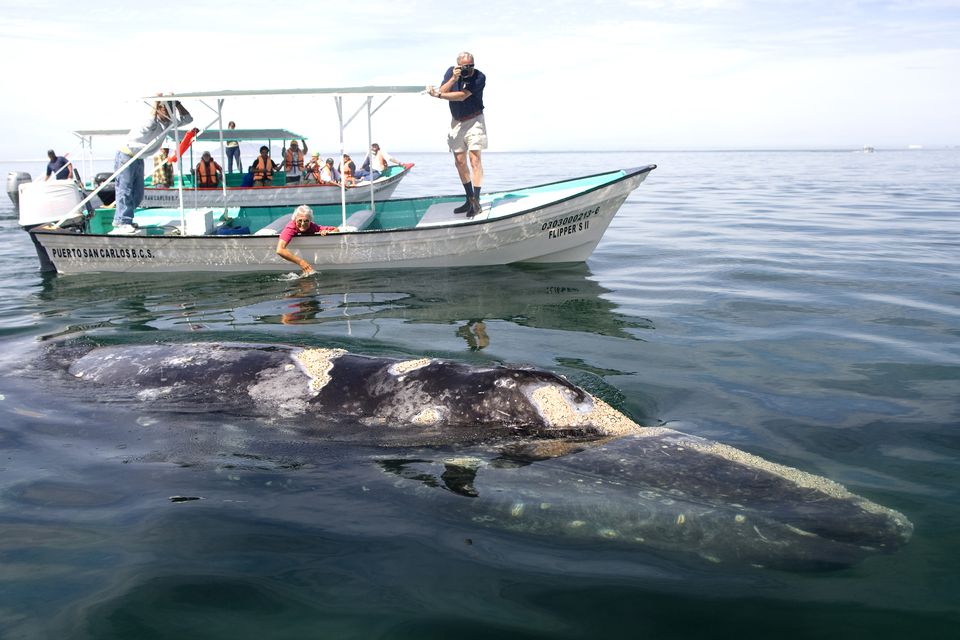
[(549, 230)]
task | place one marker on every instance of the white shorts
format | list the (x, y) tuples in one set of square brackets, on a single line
[(468, 135)]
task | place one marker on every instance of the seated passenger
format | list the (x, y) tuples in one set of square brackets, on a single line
[(209, 173), (329, 175), (347, 169), (162, 169), (311, 172), (381, 160), (301, 224), (263, 168)]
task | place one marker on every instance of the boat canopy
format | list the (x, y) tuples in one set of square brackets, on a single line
[(87, 133), (249, 93)]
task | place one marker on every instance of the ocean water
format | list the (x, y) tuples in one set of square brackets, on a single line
[(802, 306)]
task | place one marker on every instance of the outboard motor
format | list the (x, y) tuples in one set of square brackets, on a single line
[(47, 201), (108, 194), (14, 180)]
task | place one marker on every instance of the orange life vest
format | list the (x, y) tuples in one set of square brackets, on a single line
[(207, 174), (263, 167), (289, 161), (313, 170)]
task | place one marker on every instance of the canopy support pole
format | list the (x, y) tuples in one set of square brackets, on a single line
[(370, 150), (223, 152), (343, 185)]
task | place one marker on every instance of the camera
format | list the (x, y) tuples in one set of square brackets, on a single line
[(466, 70)]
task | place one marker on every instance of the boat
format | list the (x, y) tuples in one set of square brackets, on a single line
[(33, 199), (556, 222), (234, 193), (549, 223)]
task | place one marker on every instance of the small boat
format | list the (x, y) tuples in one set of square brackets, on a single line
[(34, 199), (555, 222), (235, 193)]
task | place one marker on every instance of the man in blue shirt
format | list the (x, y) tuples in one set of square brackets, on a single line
[(58, 167), (463, 86)]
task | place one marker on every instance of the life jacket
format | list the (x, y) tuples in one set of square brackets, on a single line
[(207, 174), (290, 161), (263, 167), (313, 171)]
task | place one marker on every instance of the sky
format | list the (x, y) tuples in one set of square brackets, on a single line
[(561, 75)]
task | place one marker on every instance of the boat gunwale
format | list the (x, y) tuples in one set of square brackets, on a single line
[(628, 173)]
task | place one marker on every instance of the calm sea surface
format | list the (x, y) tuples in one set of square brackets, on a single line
[(802, 306)]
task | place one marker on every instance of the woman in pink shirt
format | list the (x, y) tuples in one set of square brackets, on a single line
[(301, 224)]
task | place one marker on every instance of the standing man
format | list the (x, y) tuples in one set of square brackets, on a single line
[(463, 87), (293, 161), (233, 150), (164, 115), (58, 167)]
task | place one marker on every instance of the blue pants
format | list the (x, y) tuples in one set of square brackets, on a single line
[(233, 152), (363, 173), (129, 188)]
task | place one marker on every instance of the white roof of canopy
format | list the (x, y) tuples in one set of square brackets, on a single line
[(329, 91), (211, 134)]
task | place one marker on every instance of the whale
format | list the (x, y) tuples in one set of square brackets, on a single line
[(515, 448)]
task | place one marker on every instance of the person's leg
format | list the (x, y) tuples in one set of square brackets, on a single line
[(477, 168), (460, 160), (137, 185), (124, 194)]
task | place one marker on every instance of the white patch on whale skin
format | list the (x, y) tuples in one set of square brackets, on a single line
[(557, 406), (429, 416), (282, 389), (317, 364), (400, 368)]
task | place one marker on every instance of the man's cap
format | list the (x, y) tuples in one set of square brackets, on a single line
[(316, 154)]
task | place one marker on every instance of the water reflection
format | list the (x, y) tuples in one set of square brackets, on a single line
[(564, 297), (475, 333)]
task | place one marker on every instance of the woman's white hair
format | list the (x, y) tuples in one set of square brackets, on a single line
[(302, 210)]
